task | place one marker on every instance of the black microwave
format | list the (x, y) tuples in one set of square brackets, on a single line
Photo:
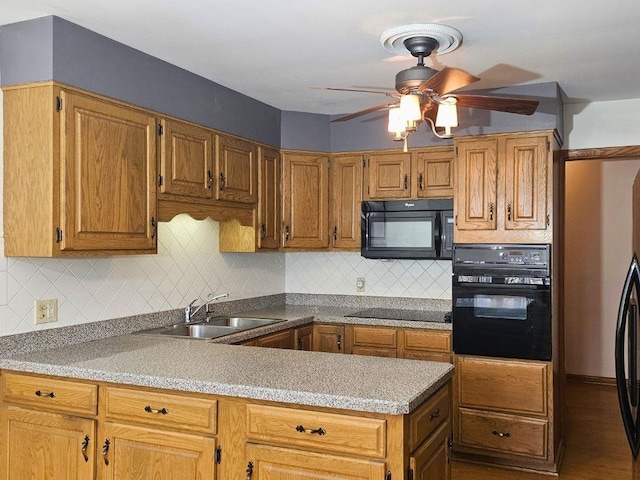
[(407, 229)]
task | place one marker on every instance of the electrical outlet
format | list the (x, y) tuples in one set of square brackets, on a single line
[(360, 284), (46, 311)]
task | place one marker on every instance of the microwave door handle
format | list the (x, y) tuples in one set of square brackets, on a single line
[(437, 234)]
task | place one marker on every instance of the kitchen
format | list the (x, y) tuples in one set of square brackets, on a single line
[(165, 281)]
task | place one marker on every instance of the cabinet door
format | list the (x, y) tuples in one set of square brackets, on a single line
[(236, 170), (346, 197), (140, 452), (526, 161), (45, 446), (306, 201), (268, 199), (108, 175), (388, 176), (272, 463), (328, 338), (277, 340), (304, 338), (186, 166), (434, 173), (431, 460), (476, 183)]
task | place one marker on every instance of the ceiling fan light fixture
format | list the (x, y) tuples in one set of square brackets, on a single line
[(396, 124), (447, 116), (410, 108)]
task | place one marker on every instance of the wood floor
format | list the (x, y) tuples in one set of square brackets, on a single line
[(596, 446)]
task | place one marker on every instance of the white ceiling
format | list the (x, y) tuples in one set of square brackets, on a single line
[(275, 50)]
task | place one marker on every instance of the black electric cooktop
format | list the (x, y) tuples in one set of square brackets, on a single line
[(398, 314)]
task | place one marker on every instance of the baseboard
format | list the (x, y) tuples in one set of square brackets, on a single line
[(591, 379)]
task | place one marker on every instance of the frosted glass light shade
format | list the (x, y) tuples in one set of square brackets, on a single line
[(410, 107), (447, 115), (396, 122)]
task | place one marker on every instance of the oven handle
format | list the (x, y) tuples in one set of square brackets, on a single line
[(500, 286)]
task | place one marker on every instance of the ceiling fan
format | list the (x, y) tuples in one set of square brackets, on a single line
[(425, 94)]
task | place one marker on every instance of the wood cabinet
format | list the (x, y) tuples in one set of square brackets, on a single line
[(495, 419), (269, 200), (433, 169), (424, 173), (236, 170), (416, 344), (283, 339), (305, 201), (328, 338), (346, 198), (372, 341), (303, 338), (186, 161), (504, 188), (47, 428), (85, 180)]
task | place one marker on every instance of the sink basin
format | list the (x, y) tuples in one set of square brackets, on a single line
[(243, 323), (214, 328)]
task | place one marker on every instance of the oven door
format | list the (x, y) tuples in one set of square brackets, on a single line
[(502, 320)]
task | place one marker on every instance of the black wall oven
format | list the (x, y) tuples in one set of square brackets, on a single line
[(502, 301)]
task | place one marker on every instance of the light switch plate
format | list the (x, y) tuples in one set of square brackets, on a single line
[(46, 311), (360, 284)]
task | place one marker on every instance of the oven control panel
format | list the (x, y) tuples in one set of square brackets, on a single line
[(487, 258)]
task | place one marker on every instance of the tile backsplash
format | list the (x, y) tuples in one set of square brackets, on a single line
[(188, 265), (336, 273)]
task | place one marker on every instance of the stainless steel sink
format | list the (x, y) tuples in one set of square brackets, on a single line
[(243, 323), (213, 328)]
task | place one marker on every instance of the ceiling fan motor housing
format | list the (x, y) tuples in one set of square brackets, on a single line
[(410, 79)]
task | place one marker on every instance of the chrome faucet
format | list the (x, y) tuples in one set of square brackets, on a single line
[(189, 311)]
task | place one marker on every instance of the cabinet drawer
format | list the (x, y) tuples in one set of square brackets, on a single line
[(375, 337), (178, 412), (50, 394), (507, 434), (510, 386), (324, 431), (427, 340), (424, 421), (427, 356), (375, 352)]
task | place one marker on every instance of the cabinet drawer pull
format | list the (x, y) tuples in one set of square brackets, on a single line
[(40, 393), (509, 212), (105, 450), (209, 179), (420, 181), (339, 343), (434, 415), (222, 181), (249, 470), (85, 445), (491, 207), (318, 431), (263, 231), (501, 434), (163, 411)]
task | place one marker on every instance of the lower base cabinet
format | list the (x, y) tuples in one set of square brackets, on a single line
[(273, 463), (132, 452), (42, 445), (138, 433)]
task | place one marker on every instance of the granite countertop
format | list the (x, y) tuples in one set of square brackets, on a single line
[(352, 382)]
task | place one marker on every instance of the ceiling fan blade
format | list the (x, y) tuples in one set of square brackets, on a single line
[(381, 92), (363, 112), (447, 80), (521, 106)]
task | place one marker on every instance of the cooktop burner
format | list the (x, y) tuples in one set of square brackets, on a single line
[(397, 314)]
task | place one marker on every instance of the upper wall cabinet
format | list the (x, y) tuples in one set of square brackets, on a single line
[(79, 174), (346, 197), (305, 200), (424, 173), (504, 188), (269, 199), (236, 170), (186, 161)]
